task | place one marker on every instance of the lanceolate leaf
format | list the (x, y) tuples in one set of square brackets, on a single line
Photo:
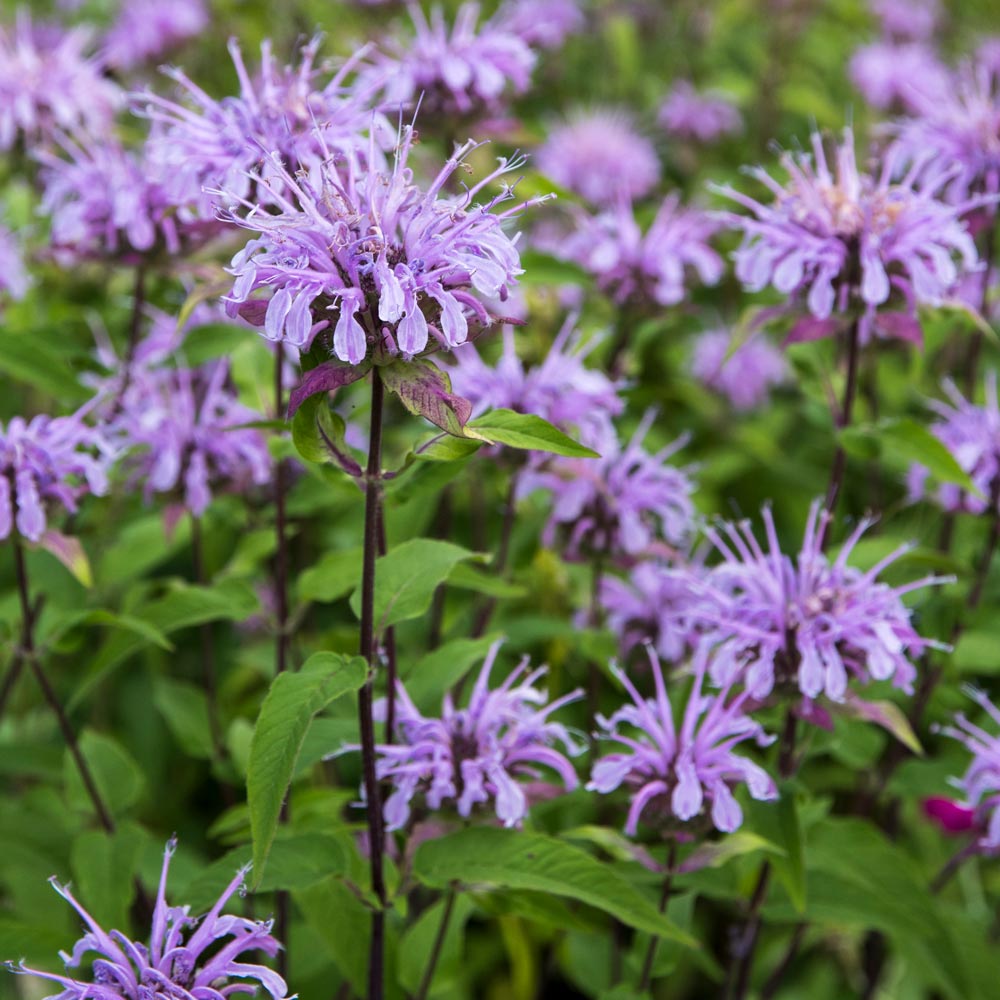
[(426, 391), (281, 728), (527, 432)]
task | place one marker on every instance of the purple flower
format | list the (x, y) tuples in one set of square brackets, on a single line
[(625, 503), (48, 460), (541, 24), (745, 376), (811, 624), (561, 390), (653, 266), (474, 755), (840, 240), (899, 75), (688, 114), (912, 19), (374, 260), (981, 782), (463, 71), (48, 83), (600, 157), (677, 774), (148, 29), (301, 114), (14, 278), (186, 956), (972, 434)]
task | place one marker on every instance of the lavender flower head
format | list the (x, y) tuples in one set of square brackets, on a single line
[(14, 279), (809, 625), (374, 260), (475, 755), (145, 30), (541, 24), (462, 72), (186, 956), (561, 390), (746, 376), (626, 503), (838, 240), (676, 773), (600, 156), (981, 782), (302, 114), (49, 83), (892, 75), (652, 267), (972, 434), (910, 19), (688, 114), (46, 461)]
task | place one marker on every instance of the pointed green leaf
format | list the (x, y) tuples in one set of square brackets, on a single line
[(527, 432), (425, 390)]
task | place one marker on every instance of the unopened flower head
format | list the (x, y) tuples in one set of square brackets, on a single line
[(480, 754), (811, 624), (186, 956), (48, 83), (145, 30), (461, 71), (628, 502), (746, 375), (301, 114), (652, 267), (374, 263), (688, 114), (839, 241), (905, 76), (678, 773), (601, 157), (561, 390), (972, 434), (46, 462)]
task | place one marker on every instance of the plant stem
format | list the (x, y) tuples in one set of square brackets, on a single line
[(952, 865), (442, 932), (786, 751), (373, 797), (776, 979), (647, 966), (751, 933), (28, 648), (842, 419), (390, 646)]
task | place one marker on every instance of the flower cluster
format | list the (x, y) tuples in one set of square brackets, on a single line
[(811, 624), (473, 755), (186, 956), (625, 503), (688, 114), (839, 240), (677, 773), (745, 376), (48, 460), (649, 267), (387, 264), (145, 30), (972, 434), (600, 157)]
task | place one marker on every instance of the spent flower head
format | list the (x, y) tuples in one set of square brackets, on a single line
[(186, 956), (678, 773)]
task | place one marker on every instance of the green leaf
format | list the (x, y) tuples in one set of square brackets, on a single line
[(886, 714), (482, 581), (447, 448), (978, 652), (525, 431), (546, 270), (288, 709), (778, 824), (425, 390), (436, 672), (103, 868), (514, 859), (333, 577), (118, 777), (313, 425), (70, 553), (31, 359), (406, 578), (184, 706), (717, 853), (209, 341)]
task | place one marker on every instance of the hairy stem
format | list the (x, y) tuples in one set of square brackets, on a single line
[(646, 977), (435, 955)]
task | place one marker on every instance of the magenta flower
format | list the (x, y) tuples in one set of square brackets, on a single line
[(972, 434), (145, 30), (14, 278), (688, 114), (186, 956), (892, 75), (810, 625), (654, 266), (561, 390), (676, 774), (301, 114), (910, 19), (626, 503), (746, 376), (981, 782), (839, 241), (48, 83), (600, 157), (45, 461), (475, 755), (463, 71), (373, 259)]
